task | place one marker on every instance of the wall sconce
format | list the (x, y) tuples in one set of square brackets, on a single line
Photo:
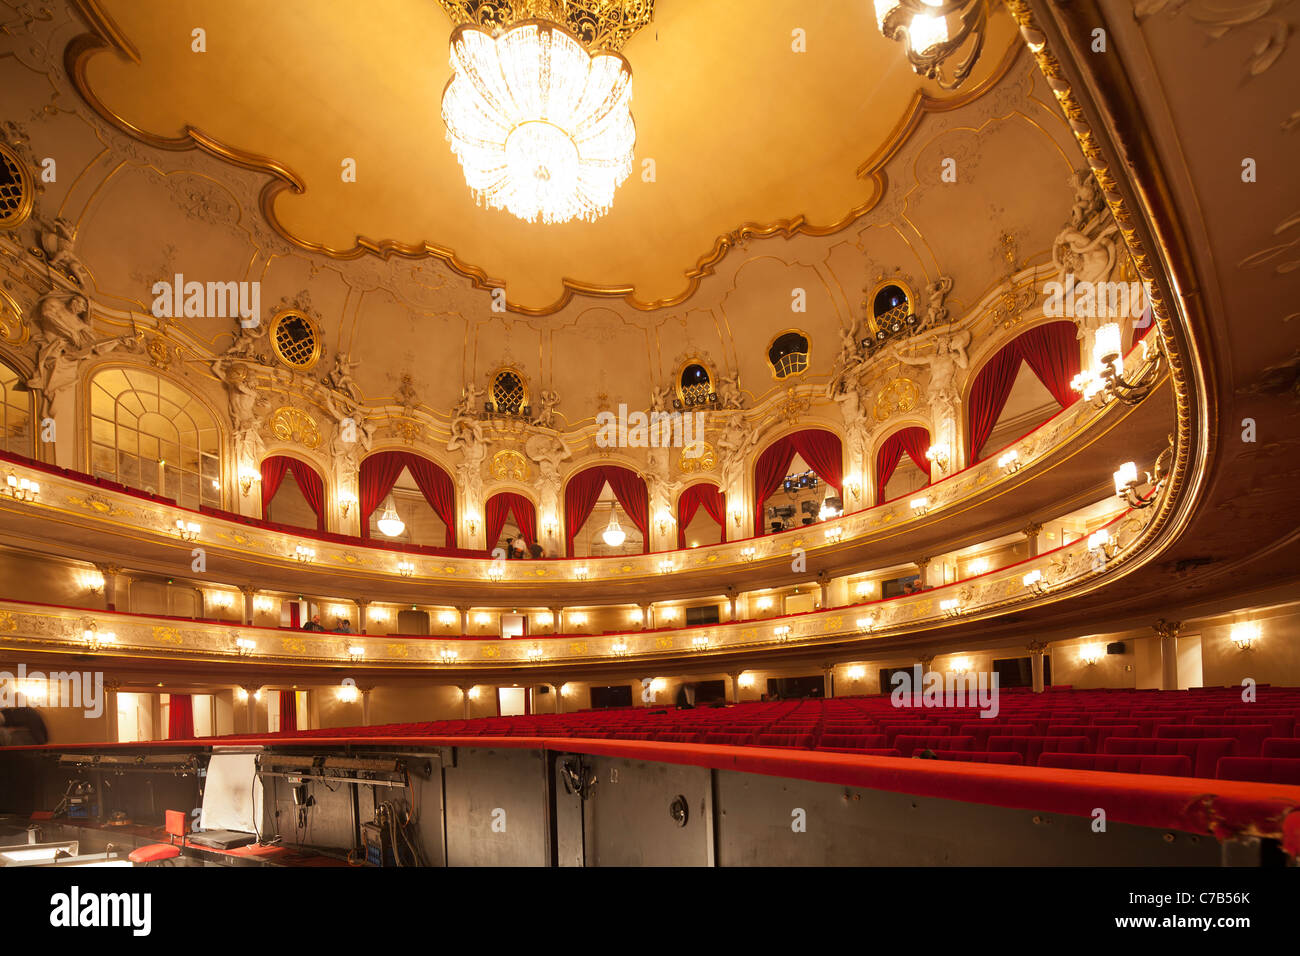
[(579, 619), (663, 521), (347, 693), (619, 648), (473, 692), (447, 655), (938, 454), (833, 535), (248, 478), (1244, 634), (1010, 461), (97, 640), (699, 643), (534, 652), (550, 527), (747, 554), (221, 599), (977, 567), (781, 632), (241, 694), (745, 680), (764, 603), (244, 647), (1100, 543), (346, 503), (854, 488), (1091, 654), (446, 618), (634, 615), (1127, 483), (186, 530), (356, 653), (950, 607), (21, 489), (304, 554), (735, 518), (959, 665), (919, 506), (262, 604), (581, 573), (856, 672), (377, 614), (658, 684), (405, 568), (482, 619), (496, 570), (866, 624), (472, 522), (668, 613), (666, 566), (1035, 581), (865, 589)]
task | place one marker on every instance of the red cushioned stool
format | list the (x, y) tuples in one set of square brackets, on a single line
[(177, 825)]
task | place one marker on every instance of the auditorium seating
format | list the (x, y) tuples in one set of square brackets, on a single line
[(1210, 733)]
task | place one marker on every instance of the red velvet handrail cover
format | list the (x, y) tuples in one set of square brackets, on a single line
[(1221, 808)]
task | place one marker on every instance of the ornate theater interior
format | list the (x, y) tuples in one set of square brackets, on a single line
[(872, 443)]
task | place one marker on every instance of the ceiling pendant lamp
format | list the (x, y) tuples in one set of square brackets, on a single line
[(613, 534), (390, 525), (538, 107)]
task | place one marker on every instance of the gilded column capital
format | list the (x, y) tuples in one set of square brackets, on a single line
[(248, 589), (1033, 529), (1165, 628), (1037, 647)]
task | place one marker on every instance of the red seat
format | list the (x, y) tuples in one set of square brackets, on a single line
[(980, 756), (851, 741), (1031, 747), (1260, 769), (1168, 765), (1280, 747), (1249, 737), (177, 824), (982, 730), (909, 744), (1203, 751)]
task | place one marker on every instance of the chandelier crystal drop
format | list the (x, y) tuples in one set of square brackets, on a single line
[(390, 524), (542, 128)]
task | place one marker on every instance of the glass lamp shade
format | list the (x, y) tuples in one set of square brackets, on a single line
[(390, 525), (613, 534)]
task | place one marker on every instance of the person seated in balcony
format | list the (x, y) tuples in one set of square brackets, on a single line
[(314, 624), (536, 550), (21, 726), (519, 549), (344, 626)]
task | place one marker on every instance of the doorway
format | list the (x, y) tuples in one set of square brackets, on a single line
[(1190, 673), (512, 701)]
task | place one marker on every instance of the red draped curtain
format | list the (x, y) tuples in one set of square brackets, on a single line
[(288, 711), (500, 506), (583, 491), (1052, 352), (819, 448), (913, 442), (714, 502), (180, 717), (380, 472), (308, 479)]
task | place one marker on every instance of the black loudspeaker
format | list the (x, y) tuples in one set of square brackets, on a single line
[(543, 689), (1116, 648)]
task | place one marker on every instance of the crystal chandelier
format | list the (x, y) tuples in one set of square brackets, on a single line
[(390, 524), (613, 534), (538, 108)]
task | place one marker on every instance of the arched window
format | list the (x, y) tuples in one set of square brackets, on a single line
[(509, 393), (695, 386), (16, 431), (626, 500), (892, 313), (812, 449), (149, 433), (893, 481), (788, 354), (293, 493), (1021, 386), (16, 193)]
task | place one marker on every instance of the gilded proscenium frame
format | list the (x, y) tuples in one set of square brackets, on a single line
[(106, 36)]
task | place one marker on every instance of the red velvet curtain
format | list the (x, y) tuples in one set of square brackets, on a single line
[(380, 472), (438, 489), (309, 483), (288, 711), (1052, 352), (580, 497), (819, 448), (770, 469), (988, 396), (180, 717), (714, 502), (631, 492), (914, 442), (500, 506), (583, 491), (378, 475)]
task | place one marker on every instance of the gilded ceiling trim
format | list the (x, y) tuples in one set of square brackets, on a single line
[(106, 35)]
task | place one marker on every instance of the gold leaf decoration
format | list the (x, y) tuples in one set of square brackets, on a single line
[(293, 424)]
